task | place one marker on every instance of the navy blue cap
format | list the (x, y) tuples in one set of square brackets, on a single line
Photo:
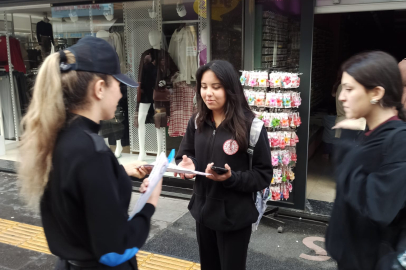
[(96, 55)]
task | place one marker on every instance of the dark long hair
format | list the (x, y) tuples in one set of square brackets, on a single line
[(237, 111), (377, 68)]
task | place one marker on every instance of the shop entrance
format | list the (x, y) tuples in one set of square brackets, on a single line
[(336, 38)]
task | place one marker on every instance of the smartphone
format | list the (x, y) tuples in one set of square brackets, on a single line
[(219, 170)]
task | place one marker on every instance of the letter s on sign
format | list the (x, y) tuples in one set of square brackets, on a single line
[(322, 253)]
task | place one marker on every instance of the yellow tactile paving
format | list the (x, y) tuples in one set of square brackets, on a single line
[(33, 238)]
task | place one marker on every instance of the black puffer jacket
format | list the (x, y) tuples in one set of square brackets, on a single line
[(228, 205)]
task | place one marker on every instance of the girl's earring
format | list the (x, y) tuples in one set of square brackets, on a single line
[(373, 101)]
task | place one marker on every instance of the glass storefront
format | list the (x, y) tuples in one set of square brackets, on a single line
[(171, 35), (177, 36)]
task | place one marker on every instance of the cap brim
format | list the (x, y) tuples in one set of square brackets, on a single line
[(126, 80)]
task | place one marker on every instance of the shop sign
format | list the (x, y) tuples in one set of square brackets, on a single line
[(82, 10), (219, 8)]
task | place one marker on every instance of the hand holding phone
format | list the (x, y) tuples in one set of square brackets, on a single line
[(217, 173), (219, 170)]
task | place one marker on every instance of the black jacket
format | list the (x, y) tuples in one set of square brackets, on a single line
[(225, 206), (369, 211), (84, 208)]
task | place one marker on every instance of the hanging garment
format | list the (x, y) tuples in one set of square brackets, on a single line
[(22, 89), (45, 29), (7, 106), (203, 57), (183, 49), (181, 108), (34, 58), (15, 53)]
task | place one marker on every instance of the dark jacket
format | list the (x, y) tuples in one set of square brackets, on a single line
[(84, 208), (225, 206), (45, 29), (154, 72), (369, 211)]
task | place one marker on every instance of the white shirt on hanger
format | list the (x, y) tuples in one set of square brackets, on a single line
[(183, 50)]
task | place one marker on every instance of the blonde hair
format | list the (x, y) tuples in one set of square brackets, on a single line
[(54, 95)]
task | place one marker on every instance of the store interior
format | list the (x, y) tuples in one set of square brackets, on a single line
[(336, 38)]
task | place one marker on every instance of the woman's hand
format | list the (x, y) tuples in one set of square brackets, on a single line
[(352, 124), (144, 185), (135, 170), (186, 163), (218, 177), (153, 199)]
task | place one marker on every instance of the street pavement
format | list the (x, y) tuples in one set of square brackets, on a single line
[(300, 246)]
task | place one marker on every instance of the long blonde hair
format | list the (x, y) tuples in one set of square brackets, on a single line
[(55, 94)]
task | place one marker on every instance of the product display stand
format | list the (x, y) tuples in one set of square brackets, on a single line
[(272, 93)]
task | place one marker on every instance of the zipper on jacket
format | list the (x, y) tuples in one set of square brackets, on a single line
[(211, 159)]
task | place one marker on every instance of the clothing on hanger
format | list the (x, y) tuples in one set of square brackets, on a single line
[(15, 51), (181, 108), (183, 49)]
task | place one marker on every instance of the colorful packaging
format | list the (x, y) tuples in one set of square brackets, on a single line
[(260, 98), (251, 98)]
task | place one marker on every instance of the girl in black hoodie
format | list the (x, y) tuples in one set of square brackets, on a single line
[(367, 225), (223, 205)]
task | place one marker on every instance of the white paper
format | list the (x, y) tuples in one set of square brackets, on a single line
[(176, 169), (154, 178)]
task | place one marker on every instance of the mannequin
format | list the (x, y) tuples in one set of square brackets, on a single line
[(155, 41), (119, 148)]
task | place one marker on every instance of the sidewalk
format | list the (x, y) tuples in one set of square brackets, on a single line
[(300, 246), (12, 209)]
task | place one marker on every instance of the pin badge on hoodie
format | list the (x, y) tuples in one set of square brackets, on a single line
[(230, 147)]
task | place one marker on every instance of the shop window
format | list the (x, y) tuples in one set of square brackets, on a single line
[(226, 31)]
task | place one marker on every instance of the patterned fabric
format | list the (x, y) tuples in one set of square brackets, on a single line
[(181, 108)]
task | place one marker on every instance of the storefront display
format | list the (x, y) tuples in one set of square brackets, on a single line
[(191, 36), (274, 99)]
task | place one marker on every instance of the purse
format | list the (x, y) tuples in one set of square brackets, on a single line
[(162, 94)]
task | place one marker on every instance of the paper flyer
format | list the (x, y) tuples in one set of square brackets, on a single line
[(155, 177)]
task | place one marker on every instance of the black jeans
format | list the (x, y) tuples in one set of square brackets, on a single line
[(222, 250)]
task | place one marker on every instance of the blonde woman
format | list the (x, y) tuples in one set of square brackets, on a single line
[(69, 171)]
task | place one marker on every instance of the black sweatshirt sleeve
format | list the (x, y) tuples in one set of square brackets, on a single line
[(382, 194), (260, 176), (187, 146), (113, 238)]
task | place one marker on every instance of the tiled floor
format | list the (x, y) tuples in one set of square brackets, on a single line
[(320, 182)]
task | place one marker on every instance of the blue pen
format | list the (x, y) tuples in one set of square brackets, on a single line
[(171, 156)]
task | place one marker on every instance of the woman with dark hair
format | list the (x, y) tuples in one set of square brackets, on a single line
[(367, 225), (223, 204)]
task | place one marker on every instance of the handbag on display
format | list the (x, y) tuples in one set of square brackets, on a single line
[(162, 94)]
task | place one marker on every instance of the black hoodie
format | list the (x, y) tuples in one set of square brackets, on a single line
[(228, 205), (369, 211)]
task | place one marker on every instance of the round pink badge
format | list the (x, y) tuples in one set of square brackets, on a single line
[(230, 147)]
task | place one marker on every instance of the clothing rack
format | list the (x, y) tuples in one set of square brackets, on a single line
[(11, 69)]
